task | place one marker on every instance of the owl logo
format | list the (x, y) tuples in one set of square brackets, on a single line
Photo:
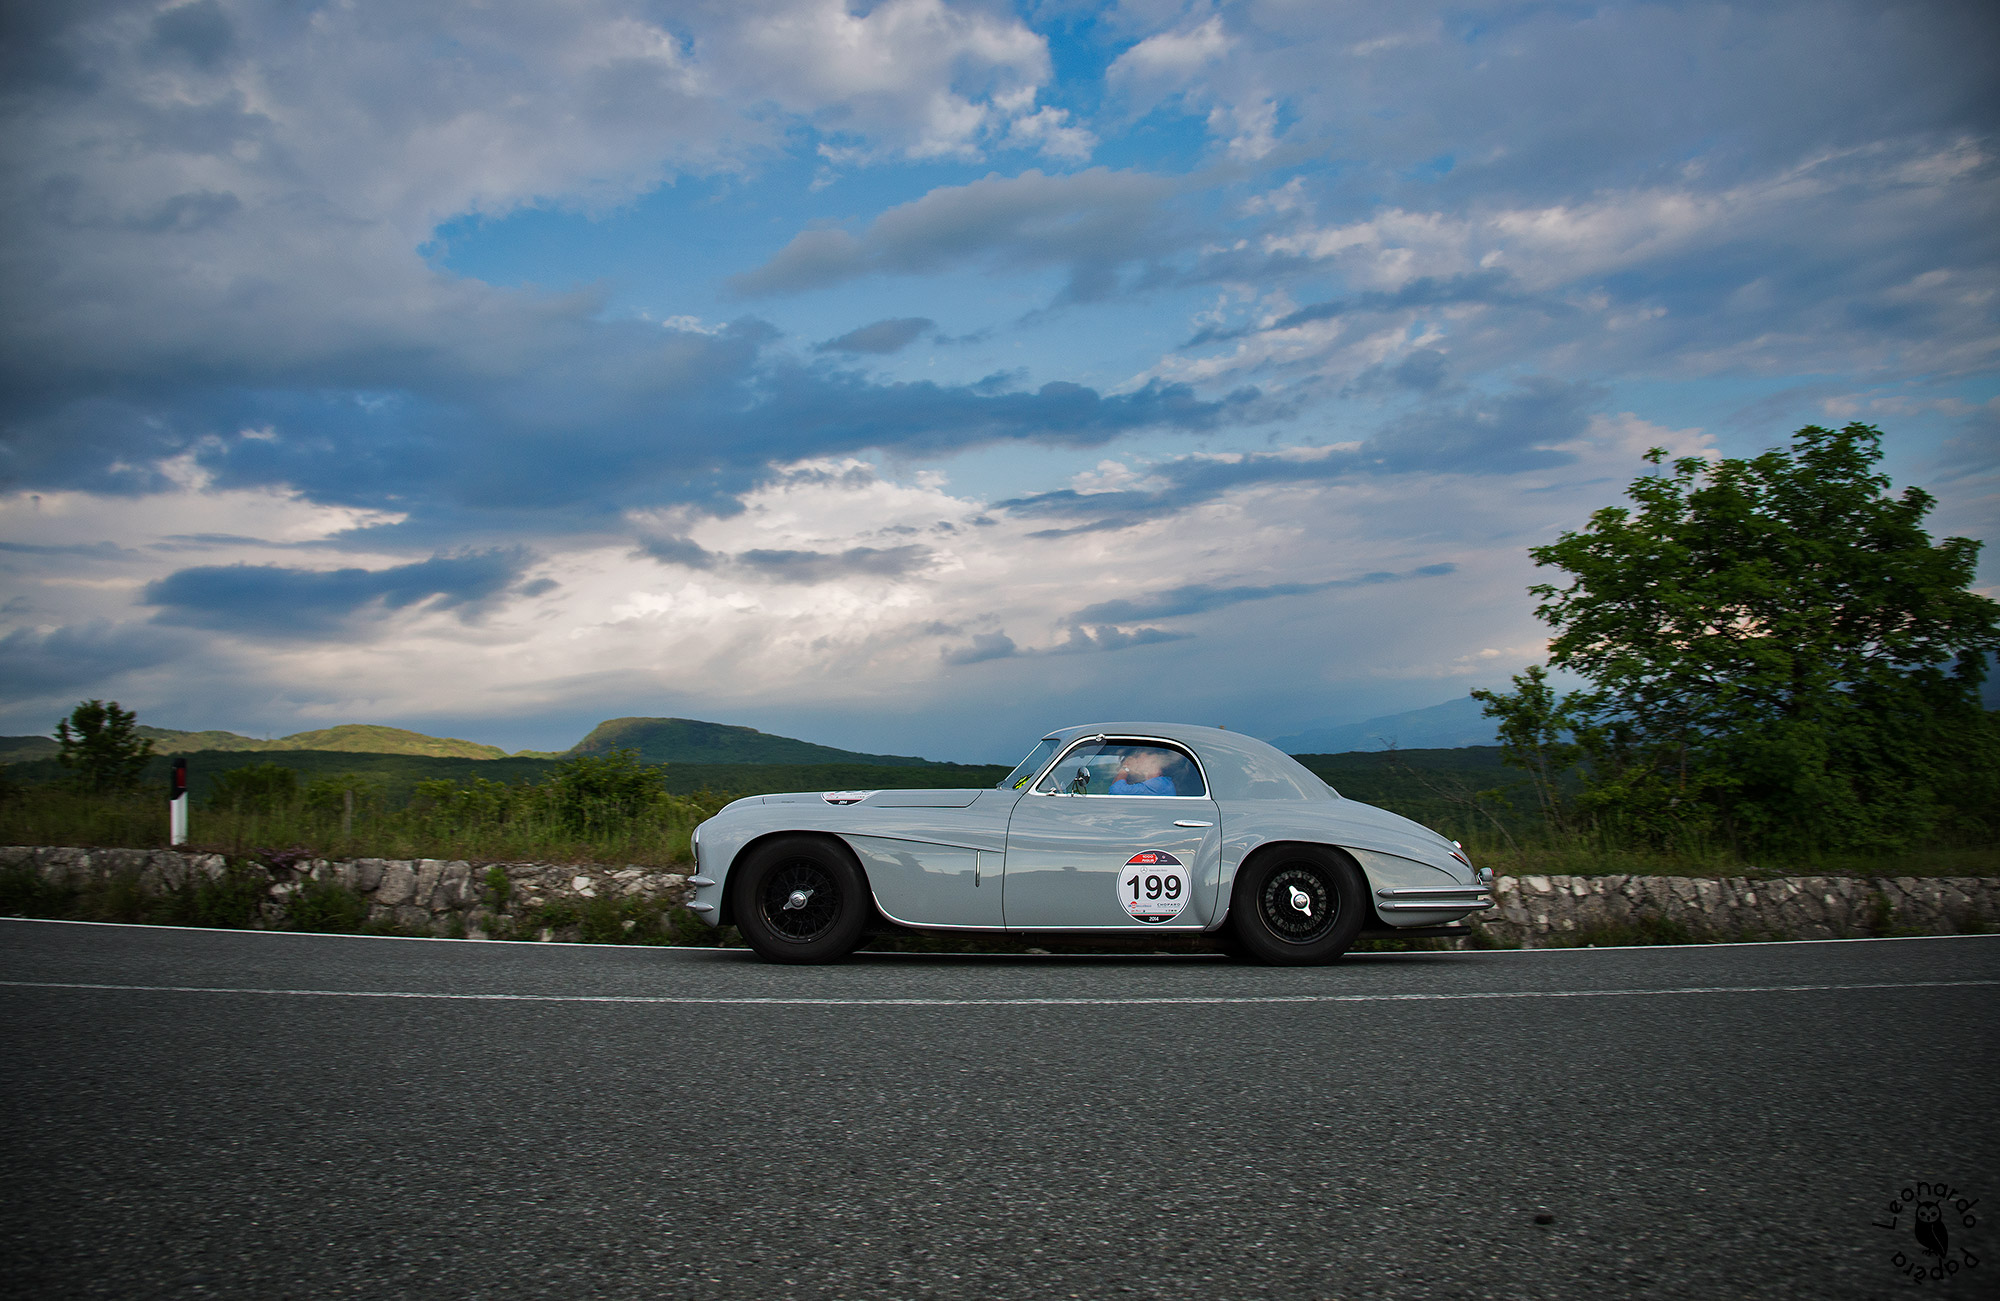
[(1930, 1230)]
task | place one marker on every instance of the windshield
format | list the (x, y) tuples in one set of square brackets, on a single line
[(1028, 767)]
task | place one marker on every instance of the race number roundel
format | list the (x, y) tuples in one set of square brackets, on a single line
[(1154, 887)]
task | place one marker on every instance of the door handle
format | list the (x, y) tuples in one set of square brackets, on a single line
[(1190, 822)]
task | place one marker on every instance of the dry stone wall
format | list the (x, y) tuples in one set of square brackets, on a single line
[(430, 896), (420, 896), (1540, 911)]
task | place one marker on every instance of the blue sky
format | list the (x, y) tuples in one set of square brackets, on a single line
[(917, 376)]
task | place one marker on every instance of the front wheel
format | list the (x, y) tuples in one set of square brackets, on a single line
[(800, 899), (1298, 904)]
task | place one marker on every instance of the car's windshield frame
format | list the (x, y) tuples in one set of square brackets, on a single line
[(1031, 767)]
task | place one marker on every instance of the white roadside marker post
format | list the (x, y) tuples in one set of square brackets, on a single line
[(177, 805)]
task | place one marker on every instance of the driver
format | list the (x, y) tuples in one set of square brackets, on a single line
[(1144, 773)]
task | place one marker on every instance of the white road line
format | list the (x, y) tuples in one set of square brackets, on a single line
[(1172, 1001)]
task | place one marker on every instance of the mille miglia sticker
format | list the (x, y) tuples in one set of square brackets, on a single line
[(1153, 887)]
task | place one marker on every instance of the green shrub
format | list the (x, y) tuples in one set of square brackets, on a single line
[(601, 790), (327, 907), (25, 893), (233, 900), (328, 795), (254, 788)]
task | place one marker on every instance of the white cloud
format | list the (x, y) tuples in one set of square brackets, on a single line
[(1048, 131), (1170, 61), (914, 77)]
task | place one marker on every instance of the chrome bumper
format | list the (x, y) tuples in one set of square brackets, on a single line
[(1433, 899)]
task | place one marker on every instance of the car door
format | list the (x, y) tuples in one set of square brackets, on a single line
[(1098, 845)]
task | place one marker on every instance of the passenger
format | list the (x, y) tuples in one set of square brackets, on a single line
[(1144, 773)]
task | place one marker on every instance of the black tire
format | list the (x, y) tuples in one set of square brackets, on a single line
[(1296, 905), (1229, 943), (800, 899)]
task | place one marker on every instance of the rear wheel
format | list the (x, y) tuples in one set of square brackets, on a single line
[(800, 899), (1295, 905)]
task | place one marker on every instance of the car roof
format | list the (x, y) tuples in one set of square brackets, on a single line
[(1239, 767)]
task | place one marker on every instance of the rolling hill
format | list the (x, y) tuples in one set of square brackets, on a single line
[(687, 740), (21, 749), (658, 740), (348, 738)]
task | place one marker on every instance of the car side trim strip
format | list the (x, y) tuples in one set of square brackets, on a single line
[(1437, 906), (1428, 892)]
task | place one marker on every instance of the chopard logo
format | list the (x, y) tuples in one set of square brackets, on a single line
[(1924, 1217)]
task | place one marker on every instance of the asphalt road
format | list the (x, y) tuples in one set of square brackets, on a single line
[(440, 1119)]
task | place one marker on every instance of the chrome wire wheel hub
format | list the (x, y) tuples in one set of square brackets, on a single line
[(1298, 904), (799, 900)]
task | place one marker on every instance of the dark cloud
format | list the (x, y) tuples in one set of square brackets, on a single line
[(199, 33), (1080, 641), (1091, 222), (881, 338), (1424, 370), (821, 566), (984, 646), (614, 416), (792, 566), (1083, 641), (685, 552), (1198, 598), (79, 659), (1503, 433), (272, 601), (1095, 526), (1491, 287), (97, 550)]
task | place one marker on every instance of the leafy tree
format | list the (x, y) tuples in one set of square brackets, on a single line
[(1535, 727), (1774, 649), (100, 747)]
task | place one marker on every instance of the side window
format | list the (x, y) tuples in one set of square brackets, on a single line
[(1126, 768)]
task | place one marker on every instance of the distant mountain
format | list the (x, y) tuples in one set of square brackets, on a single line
[(687, 740), (1439, 727), (348, 738)]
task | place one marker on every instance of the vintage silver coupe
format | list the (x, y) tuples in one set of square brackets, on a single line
[(1103, 830)]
